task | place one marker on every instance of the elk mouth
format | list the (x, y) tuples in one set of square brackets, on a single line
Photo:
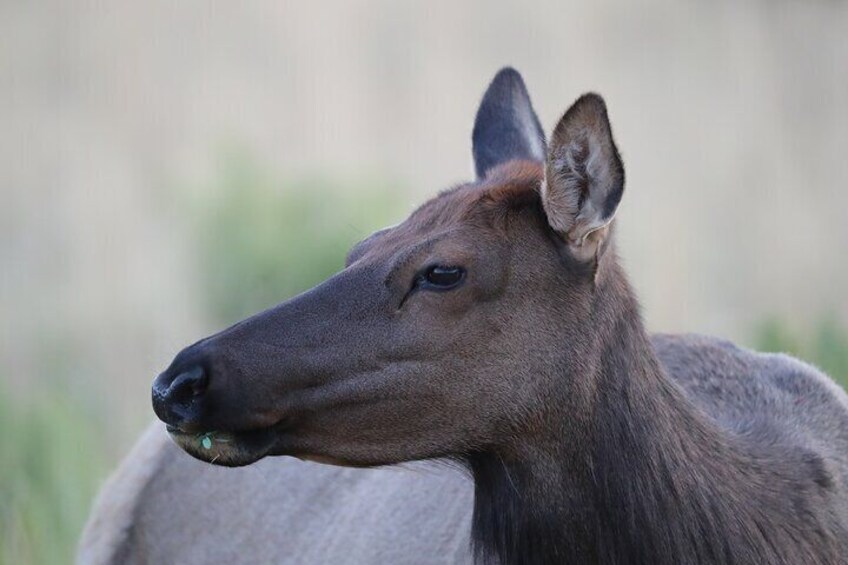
[(227, 448)]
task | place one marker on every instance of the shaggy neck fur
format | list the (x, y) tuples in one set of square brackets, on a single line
[(644, 476)]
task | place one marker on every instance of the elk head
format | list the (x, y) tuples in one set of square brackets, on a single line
[(460, 330)]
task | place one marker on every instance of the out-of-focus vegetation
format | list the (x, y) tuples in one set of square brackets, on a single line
[(825, 345), (52, 459), (256, 242), (260, 240)]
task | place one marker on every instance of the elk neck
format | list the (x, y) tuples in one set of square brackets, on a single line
[(631, 471)]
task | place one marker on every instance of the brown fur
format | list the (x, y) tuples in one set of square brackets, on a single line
[(531, 367)]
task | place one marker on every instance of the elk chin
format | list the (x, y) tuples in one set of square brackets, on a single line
[(228, 449), (335, 461)]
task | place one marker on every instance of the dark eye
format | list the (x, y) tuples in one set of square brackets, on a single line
[(438, 277)]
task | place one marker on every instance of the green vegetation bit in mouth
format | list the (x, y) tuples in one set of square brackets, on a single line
[(206, 439)]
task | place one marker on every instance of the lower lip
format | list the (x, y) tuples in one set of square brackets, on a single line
[(225, 448)]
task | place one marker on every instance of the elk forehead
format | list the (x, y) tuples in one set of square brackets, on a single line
[(512, 185), (484, 205)]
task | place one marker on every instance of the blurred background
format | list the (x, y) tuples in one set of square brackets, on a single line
[(167, 168)]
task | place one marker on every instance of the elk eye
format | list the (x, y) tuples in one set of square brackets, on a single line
[(438, 277)]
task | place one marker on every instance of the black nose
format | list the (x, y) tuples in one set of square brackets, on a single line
[(177, 395)]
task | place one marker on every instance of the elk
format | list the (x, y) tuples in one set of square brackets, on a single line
[(495, 329)]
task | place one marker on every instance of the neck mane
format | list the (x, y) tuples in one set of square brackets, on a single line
[(645, 477)]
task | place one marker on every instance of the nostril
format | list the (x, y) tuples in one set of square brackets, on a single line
[(177, 400), (188, 384)]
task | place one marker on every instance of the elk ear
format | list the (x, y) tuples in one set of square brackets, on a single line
[(506, 127), (584, 177)]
